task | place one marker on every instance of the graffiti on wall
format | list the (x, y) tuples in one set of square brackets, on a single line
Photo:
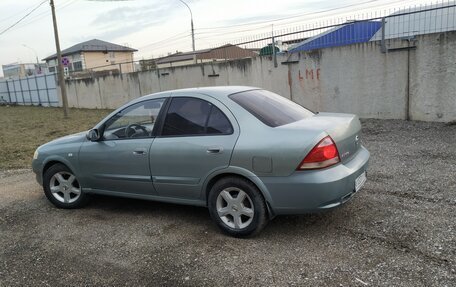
[(310, 74)]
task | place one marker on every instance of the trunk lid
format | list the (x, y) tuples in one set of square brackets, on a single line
[(344, 129)]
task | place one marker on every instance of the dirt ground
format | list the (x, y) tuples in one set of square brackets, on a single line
[(400, 230)]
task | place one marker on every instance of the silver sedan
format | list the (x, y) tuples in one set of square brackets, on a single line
[(245, 153)]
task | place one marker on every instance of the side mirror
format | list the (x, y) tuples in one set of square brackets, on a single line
[(93, 135)]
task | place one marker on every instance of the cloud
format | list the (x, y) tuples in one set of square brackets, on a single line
[(127, 14), (122, 21)]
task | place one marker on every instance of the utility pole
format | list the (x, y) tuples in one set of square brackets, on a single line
[(193, 34), (274, 53), (59, 63)]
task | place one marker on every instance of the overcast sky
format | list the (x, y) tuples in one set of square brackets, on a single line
[(157, 27)]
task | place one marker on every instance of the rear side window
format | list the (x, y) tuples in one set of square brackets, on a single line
[(218, 123), (192, 116), (272, 109)]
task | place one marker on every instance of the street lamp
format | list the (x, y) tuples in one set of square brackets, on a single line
[(36, 56), (193, 31)]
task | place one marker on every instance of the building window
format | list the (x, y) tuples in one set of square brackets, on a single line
[(75, 58), (77, 66), (51, 69)]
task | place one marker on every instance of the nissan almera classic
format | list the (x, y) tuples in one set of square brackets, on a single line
[(245, 153)]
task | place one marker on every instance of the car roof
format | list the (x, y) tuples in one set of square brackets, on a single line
[(218, 91)]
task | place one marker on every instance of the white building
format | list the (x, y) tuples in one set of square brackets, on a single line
[(16, 70), (410, 22)]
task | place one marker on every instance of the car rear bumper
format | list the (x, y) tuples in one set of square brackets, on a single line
[(316, 190)]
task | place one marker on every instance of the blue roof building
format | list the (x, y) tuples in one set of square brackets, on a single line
[(350, 33)]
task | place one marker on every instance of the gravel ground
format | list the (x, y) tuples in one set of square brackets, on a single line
[(398, 231)]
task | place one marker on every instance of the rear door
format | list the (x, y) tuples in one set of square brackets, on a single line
[(197, 138)]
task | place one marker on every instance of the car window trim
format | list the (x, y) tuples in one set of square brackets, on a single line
[(168, 104), (158, 128), (208, 117)]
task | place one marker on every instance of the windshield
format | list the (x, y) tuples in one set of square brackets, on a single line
[(272, 109)]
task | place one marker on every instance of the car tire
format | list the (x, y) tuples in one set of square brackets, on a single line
[(237, 207), (62, 188)]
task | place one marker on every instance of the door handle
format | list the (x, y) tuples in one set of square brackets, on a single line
[(139, 152), (213, 150)]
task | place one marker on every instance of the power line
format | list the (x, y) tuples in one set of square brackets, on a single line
[(59, 7), (287, 17), (17, 14), (215, 33), (25, 16), (46, 13), (167, 39), (171, 42)]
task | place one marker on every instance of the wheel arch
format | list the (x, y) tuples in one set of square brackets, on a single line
[(242, 173), (56, 160)]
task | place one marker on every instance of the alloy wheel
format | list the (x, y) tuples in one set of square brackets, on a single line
[(235, 208), (65, 187)]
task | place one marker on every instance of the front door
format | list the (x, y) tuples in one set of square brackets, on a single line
[(197, 139), (119, 162)]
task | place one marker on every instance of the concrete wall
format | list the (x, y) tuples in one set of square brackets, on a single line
[(418, 83), (433, 78), (354, 79)]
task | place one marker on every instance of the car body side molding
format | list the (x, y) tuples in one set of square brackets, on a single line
[(147, 197)]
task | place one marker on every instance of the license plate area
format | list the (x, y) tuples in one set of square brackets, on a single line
[(360, 180)]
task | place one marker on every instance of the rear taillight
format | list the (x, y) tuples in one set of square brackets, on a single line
[(324, 154)]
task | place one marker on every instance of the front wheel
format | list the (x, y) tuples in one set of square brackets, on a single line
[(62, 187), (237, 207)]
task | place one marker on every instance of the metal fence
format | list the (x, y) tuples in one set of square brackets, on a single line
[(37, 90)]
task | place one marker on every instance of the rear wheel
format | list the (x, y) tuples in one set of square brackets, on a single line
[(237, 207), (62, 187)]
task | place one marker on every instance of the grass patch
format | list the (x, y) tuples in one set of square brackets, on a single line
[(24, 128)]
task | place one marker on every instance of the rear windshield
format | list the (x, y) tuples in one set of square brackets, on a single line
[(272, 109)]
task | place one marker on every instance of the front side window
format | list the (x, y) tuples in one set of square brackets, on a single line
[(192, 116), (135, 121), (272, 109)]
